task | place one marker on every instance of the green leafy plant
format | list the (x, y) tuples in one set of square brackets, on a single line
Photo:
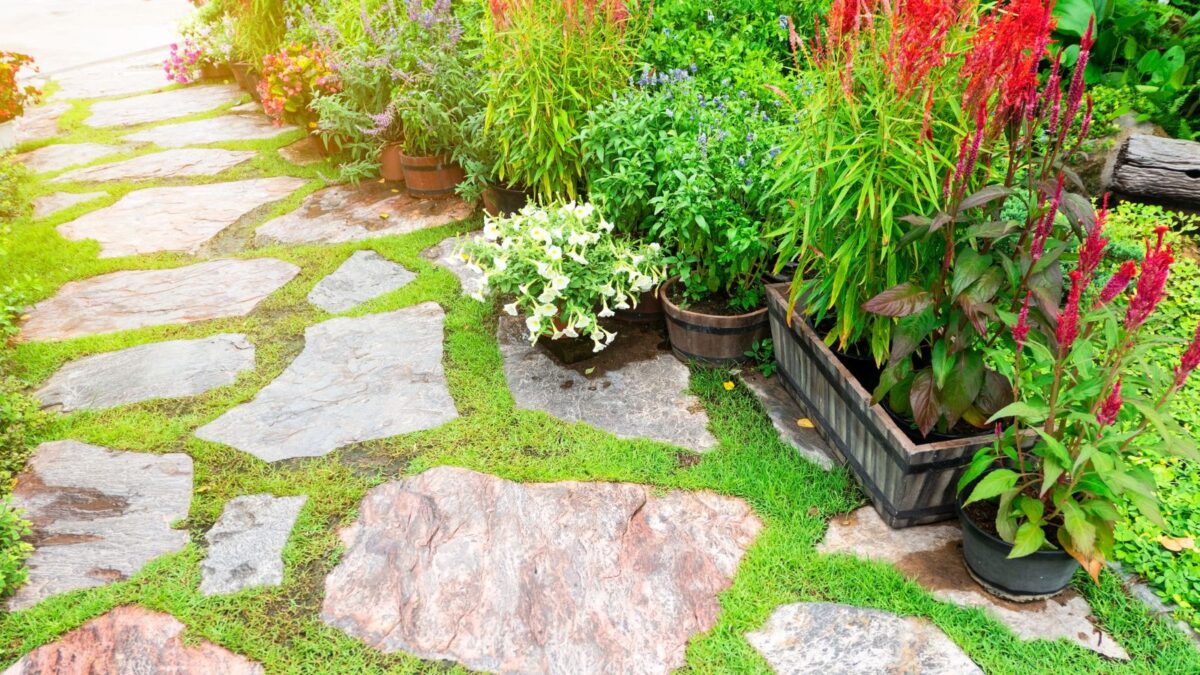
[(762, 355), (13, 549), (260, 27), (564, 270)]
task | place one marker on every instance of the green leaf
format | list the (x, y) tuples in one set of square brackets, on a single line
[(1083, 533), (963, 386), (968, 266), (1030, 413), (992, 485), (979, 463), (1073, 16), (1051, 470), (1029, 539), (942, 361)]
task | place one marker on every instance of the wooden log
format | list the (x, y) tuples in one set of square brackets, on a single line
[(1159, 169)]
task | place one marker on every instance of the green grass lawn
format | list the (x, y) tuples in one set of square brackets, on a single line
[(280, 626)]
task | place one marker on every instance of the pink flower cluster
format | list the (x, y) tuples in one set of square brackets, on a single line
[(182, 63)]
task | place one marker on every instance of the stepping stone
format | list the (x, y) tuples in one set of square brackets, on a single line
[(136, 298), (303, 152), (932, 556), (98, 515), (364, 276), (245, 546), (164, 105), (168, 164), (816, 637), (536, 578), (213, 130), (635, 389), (345, 213), (41, 122), (51, 204), (180, 218), (133, 75), (160, 370), (63, 155), (129, 640), (445, 254), (786, 416), (356, 380)]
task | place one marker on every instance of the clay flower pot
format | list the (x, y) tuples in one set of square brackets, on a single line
[(215, 71), (430, 177), (390, 168)]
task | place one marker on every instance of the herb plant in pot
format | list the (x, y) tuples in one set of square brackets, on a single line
[(564, 270), (14, 96), (685, 164)]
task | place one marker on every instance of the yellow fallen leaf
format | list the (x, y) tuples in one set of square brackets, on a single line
[(589, 371), (804, 423), (729, 385), (1177, 544), (395, 191), (383, 216)]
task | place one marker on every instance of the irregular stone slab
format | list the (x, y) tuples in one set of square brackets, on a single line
[(445, 254), (169, 164), (53, 203), (164, 105), (364, 276), (786, 416), (536, 578), (816, 637), (130, 640), (133, 75), (41, 122), (357, 379), (98, 515), (137, 298), (213, 130), (160, 370), (932, 556), (344, 213), (634, 390), (303, 152), (245, 546), (180, 218), (63, 155)]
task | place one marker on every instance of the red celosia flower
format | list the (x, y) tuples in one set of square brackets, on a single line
[(1191, 359), (1151, 282), (1117, 283), (1021, 330), (1046, 225), (1111, 406), (1092, 251), (1075, 93), (1068, 319), (918, 40), (1004, 56)]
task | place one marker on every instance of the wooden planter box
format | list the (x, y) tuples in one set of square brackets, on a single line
[(909, 484)]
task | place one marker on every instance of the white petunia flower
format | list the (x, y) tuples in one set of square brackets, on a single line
[(570, 332), (548, 295), (585, 211), (577, 258), (538, 234), (608, 290), (605, 225), (477, 295), (546, 310), (578, 238), (554, 252), (654, 247), (500, 264), (511, 309), (491, 231), (544, 270), (534, 324), (560, 281)]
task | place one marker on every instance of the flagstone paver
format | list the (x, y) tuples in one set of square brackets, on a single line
[(344, 213), (98, 515), (790, 420), (134, 74), (163, 105), (633, 390), (131, 640), (181, 218), (364, 276), (169, 164), (63, 155), (50, 204), (932, 555), (357, 379), (245, 546), (159, 370), (521, 578), (303, 152), (805, 638), (137, 298), (212, 130), (41, 122), (445, 254)]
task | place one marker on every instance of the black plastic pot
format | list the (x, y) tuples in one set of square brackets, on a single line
[(1037, 576), (502, 200)]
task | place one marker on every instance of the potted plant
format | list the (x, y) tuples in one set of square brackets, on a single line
[(564, 270), (686, 164), (14, 96), (259, 29), (206, 48), (290, 81)]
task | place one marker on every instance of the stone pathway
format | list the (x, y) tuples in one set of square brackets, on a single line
[(98, 515), (357, 379), (134, 299), (589, 578), (175, 218), (221, 129), (932, 555), (185, 162), (364, 276), (344, 213), (50, 204), (158, 370), (789, 419), (65, 155), (810, 638), (245, 546), (446, 254), (41, 122), (162, 106), (131, 640)]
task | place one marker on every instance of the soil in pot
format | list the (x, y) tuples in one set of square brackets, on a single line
[(430, 177), (710, 331), (856, 357), (390, 168), (1037, 576), (501, 200)]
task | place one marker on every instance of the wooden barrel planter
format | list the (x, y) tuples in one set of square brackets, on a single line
[(215, 71), (710, 338), (390, 168), (430, 177), (246, 78), (909, 483), (1157, 169)]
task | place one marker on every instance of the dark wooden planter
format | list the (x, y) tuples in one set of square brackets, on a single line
[(247, 78), (430, 177), (711, 338), (500, 200), (909, 483)]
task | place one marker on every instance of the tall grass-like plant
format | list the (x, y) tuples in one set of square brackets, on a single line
[(549, 63), (878, 117), (259, 28)]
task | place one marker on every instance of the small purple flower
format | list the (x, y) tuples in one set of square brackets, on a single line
[(693, 68), (669, 112), (711, 18), (783, 22), (742, 161), (703, 139), (765, 118), (773, 152), (750, 137), (748, 182), (741, 93)]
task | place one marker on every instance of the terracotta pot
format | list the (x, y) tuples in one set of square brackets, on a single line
[(649, 310), (711, 338), (500, 200), (215, 71), (390, 168), (431, 177)]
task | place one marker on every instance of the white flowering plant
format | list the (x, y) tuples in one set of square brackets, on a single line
[(563, 269)]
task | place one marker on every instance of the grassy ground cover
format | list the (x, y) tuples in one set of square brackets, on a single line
[(280, 626)]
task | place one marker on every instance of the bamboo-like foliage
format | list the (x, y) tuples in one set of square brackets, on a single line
[(260, 27)]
